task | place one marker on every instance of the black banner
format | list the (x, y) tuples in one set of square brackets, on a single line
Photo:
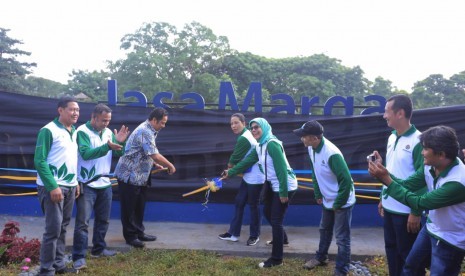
[(199, 143)]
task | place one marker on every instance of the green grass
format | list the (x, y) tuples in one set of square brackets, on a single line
[(195, 262), (192, 262)]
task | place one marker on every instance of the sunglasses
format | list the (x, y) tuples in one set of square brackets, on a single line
[(254, 127)]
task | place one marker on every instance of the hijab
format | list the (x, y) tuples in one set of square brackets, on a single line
[(267, 134)]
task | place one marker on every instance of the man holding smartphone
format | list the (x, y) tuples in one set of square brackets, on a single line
[(441, 241), (403, 158)]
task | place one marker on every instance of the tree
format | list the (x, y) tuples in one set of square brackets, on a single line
[(384, 88), (94, 84), (161, 58), (317, 75), (44, 88), (208, 85), (198, 50), (436, 90), (244, 68), (459, 80), (12, 71)]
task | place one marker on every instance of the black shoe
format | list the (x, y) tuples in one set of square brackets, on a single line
[(270, 263), (136, 243), (146, 237), (66, 270), (252, 241)]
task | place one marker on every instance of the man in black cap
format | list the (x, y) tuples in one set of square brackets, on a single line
[(334, 190)]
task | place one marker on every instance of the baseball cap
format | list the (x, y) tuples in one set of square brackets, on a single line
[(309, 128)]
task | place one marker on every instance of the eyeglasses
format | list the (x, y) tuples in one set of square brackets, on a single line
[(254, 127)]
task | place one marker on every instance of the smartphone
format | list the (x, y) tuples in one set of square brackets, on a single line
[(371, 158)]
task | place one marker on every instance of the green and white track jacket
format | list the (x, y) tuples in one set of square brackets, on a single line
[(445, 200), (55, 157)]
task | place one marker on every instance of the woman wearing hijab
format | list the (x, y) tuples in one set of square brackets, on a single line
[(280, 183), (251, 185)]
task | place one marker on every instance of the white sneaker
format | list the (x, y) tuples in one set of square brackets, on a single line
[(270, 243), (270, 263), (227, 237)]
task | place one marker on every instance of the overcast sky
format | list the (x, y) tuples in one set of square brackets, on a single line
[(401, 40)]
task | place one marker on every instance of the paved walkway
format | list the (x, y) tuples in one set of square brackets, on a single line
[(173, 235)]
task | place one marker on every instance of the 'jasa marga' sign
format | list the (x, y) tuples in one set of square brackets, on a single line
[(254, 93)]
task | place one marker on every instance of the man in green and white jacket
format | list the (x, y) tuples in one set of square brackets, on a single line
[(444, 174), (334, 190), (96, 144), (55, 160)]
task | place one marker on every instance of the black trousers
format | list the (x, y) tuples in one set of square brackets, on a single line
[(132, 199), (274, 212)]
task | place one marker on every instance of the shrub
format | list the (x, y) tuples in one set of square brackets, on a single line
[(14, 249)]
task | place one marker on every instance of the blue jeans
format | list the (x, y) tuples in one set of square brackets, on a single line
[(274, 212), (98, 201), (445, 259), (397, 241), (338, 221), (250, 194), (57, 218)]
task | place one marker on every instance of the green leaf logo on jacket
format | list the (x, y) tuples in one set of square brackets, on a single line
[(291, 173), (385, 194), (85, 174), (62, 173)]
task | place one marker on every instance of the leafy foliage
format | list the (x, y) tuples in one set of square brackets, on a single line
[(93, 84), (162, 58), (12, 71), (14, 249), (436, 90), (44, 87)]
